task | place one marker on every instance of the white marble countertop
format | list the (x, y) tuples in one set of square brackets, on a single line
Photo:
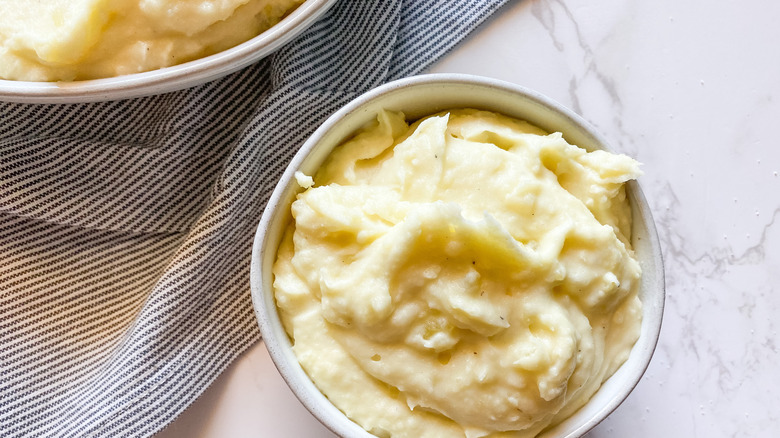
[(692, 90)]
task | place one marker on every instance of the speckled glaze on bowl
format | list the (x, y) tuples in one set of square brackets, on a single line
[(417, 97), (172, 78)]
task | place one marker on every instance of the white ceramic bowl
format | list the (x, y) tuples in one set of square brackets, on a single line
[(171, 78), (417, 97)]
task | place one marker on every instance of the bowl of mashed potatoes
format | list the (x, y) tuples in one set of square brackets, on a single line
[(67, 51), (450, 255)]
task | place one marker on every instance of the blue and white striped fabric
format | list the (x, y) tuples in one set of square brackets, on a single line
[(126, 227)]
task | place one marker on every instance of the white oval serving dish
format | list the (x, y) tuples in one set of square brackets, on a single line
[(172, 78)]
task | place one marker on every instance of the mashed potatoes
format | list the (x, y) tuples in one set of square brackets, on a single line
[(468, 276), (64, 40)]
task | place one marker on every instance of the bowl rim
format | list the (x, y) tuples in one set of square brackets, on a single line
[(279, 347), (173, 78)]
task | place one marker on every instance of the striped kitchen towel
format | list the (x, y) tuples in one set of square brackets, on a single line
[(126, 227)]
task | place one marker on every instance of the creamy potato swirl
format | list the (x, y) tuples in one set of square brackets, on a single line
[(470, 275), (66, 40)]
